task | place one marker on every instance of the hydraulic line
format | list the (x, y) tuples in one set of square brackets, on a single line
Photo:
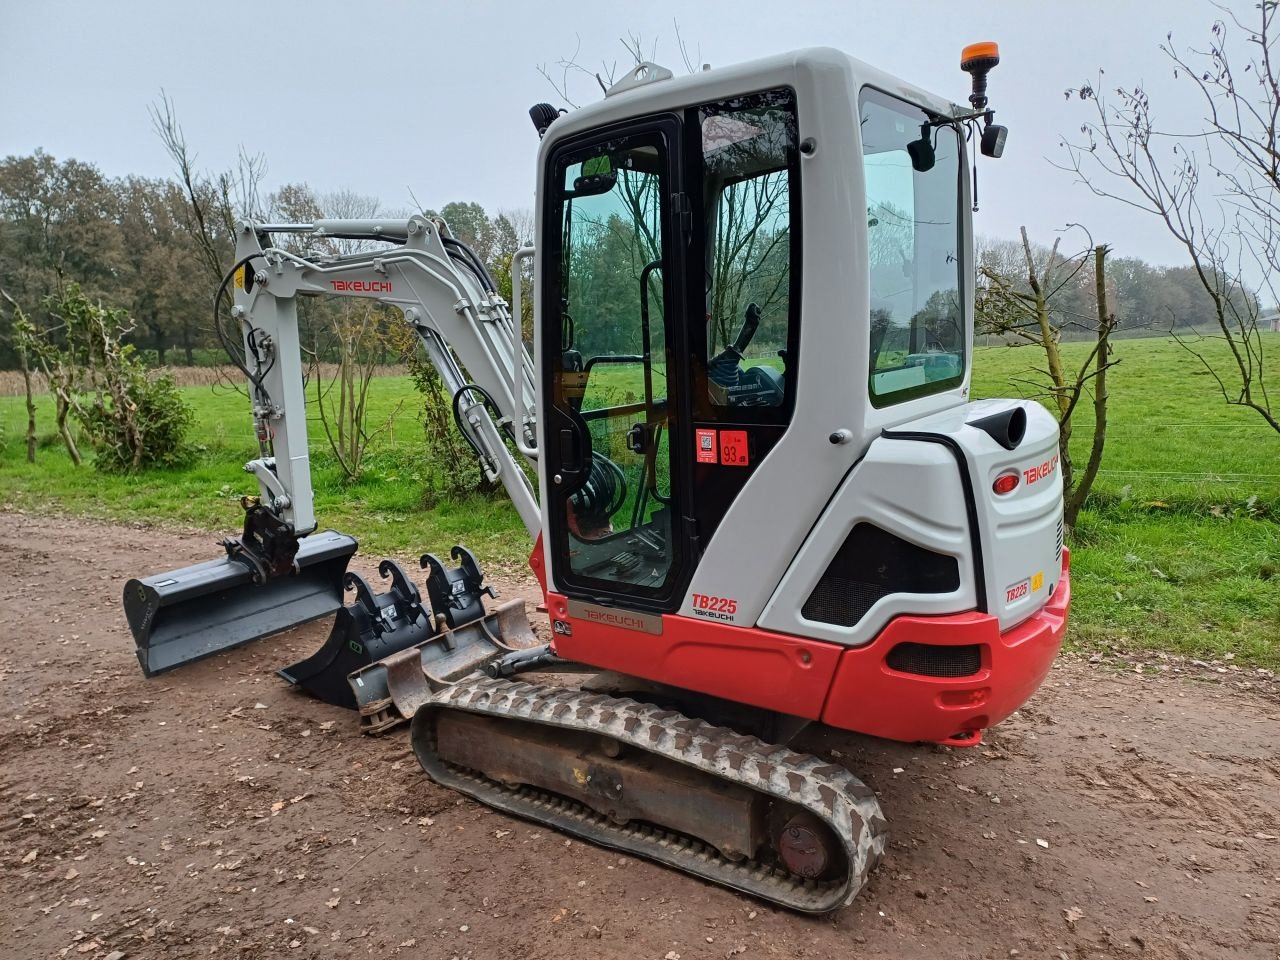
[(457, 414), (260, 395), (217, 322), (473, 261)]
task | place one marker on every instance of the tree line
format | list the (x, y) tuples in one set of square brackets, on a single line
[(102, 277), (133, 243), (1146, 298), (153, 247)]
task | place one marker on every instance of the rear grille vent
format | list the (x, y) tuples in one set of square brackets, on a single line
[(871, 564), (929, 660)]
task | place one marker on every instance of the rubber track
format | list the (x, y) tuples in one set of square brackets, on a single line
[(830, 792)]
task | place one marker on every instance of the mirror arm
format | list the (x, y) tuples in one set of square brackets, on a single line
[(973, 116)]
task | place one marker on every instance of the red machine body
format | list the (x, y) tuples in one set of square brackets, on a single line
[(849, 688)]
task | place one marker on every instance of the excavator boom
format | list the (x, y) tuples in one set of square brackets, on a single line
[(279, 573)]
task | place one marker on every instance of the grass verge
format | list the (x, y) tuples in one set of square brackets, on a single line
[(1178, 550)]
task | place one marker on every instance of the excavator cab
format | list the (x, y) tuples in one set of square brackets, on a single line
[(667, 297), (611, 223)]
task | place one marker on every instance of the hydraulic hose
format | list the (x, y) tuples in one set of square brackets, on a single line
[(457, 414), (256, 380), (473, 261)]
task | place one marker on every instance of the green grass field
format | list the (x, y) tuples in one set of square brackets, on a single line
[(1179, 546), (1178, 550)]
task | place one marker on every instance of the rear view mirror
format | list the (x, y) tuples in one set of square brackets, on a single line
[(993, 137), (921, 151), (597, 177), (922, 154)]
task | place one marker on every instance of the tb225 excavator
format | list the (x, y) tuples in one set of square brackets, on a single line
[(743, 445)]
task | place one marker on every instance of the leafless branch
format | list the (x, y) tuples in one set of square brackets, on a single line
[(1217, 192)]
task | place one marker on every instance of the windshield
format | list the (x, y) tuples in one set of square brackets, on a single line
[(914, 233)]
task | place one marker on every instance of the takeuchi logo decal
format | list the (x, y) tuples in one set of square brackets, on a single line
[(1040, 470), (361, 286)]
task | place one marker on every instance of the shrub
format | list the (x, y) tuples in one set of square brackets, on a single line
[(452, 469), (133, 419), (147, 428)]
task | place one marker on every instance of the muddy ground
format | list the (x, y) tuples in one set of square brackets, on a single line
[(1125, 812)]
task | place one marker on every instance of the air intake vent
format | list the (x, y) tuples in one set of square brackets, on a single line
[(929, 660), (873, 563)]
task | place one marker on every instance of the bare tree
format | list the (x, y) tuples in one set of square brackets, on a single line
[(1023, 309), (214, 199), (356, 331), (361, 335), (567, 74), (752, 226), (1216, 191), (24, 334), (522, 221)]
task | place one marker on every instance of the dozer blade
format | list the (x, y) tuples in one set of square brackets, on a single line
[(763, 819), (194, 612), (376, 625), (389, 691)]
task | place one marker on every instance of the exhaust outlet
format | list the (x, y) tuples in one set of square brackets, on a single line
[(1006, 428)]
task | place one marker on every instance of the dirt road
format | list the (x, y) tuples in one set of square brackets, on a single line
[(214, 811)]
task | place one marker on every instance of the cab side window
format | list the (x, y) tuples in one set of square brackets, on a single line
[(914, 240), (751, 201)]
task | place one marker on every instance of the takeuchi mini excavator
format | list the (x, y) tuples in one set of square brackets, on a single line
[(742, 443)]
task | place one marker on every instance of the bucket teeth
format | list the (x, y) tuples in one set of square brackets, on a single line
[(374, 626), (388, 652), (389, 691)]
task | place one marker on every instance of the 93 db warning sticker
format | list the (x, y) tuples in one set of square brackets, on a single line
[(733, 448), (708, 449)]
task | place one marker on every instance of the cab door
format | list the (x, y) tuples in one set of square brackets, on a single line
[(614, 452)]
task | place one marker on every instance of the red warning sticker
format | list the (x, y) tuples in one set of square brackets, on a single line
[(708, 451), (733, 448)]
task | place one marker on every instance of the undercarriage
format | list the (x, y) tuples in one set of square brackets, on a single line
[(699, 783), (725, 806)]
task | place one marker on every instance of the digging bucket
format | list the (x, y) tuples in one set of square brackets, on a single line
[(194, 612), (374, 626), (389, 691)]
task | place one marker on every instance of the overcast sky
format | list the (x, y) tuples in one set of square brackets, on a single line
[(385, 98)]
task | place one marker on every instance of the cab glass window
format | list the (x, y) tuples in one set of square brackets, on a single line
[(912, 170), (610, 446), (750, 188)]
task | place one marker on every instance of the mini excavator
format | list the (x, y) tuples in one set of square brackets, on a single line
[(742, 443)]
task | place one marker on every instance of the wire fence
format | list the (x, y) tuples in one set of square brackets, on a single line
[(12, 383), (1192, 458), (401, 432)]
